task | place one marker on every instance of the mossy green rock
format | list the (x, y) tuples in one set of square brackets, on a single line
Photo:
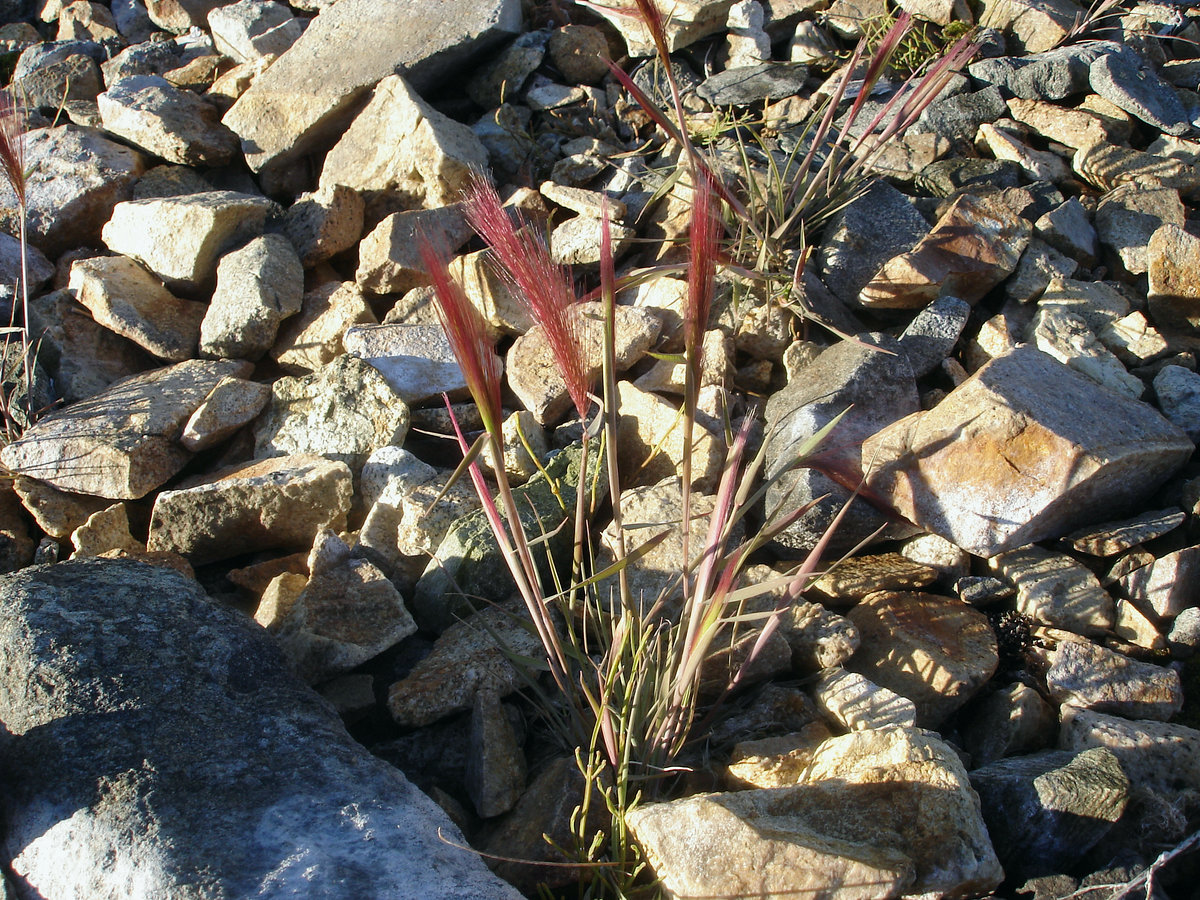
[(469, 571)]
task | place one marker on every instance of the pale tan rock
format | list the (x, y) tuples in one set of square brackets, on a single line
[(1054, 589), (857, 703), (1089, 676), (667, 298), (1079, 127), (536, 377), (937, 651), (323, 223), (57, 513), (1132, 626), (1172, 258), (105, 530), (389, 258), (1039, 165), (1156, 756), (247, 31), (819, 639), (852, 579), (974, 246), (520, 434), (278, 503), (1167, 586), (313, 339), (689, 21), (500, 305), (402, 146), (1108, 165), (651, 442), (232, 403), (1067, 338), (1023, 450), (775, 761), (1134, 340), (1032, 25), (1127, 218), (166, 121), (180, 15), (576, 242), (716, 365), (127, 299), (84, 21), (123, 442)]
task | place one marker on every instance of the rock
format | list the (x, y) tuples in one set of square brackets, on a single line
[(1178, 393), (313, 339), (524, 447), (105, 530), (690, 21), (931, 335), (344, 411), (1014, 720), (502, 307), (401, 153), (819, 639), (576, 242), (651, 445), (1156, 756), (1129, 215), (469, 568), (1078, 127), (278, 503), (1112, 538), (1068, 229), (232, 403), (1108, 166), (1174, 293), (507, 73), (74, 178), (469, 658), (258, 286), (120, 443), (180, 15), (1044, 812), (308, 96), (973, 469), (1050, 75), (1134, 340), (127, 299), (180, 239), (57, 513), (346, 613), (248, 30), (1033, 26), (167, 122), (1167, 586), (1184, 636), (579, 52), (16, 543), (83, 21), (105, 701), (1039, 265), (415, 360), (58, 75), (753, 83), (748, 43), (936, 651), (1097, 303), (389, 259), (958, 116), (1054, 589), (157, 57), (324, 223), (860, 238), (1124, 79), (872, 379), (974, 246), (536, 377), (1088, 676), (776, 761), (857, 703), (852, 579), (495, 777), (1067, 338), (1133, 627)]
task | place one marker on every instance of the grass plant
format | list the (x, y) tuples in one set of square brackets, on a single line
[(625, 671)]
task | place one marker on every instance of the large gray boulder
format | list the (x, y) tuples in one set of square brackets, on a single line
[(158, 748)]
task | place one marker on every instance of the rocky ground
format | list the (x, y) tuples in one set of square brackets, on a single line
[(241, 373)]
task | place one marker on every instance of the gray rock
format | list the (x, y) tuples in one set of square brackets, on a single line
[(860, 238), (931, 335), (1051, 75), (313, 339), (973, 469), (505, 75), (117, 728), (1045, 812), (878, 387), (251, 29), (1178, 393), (1038, 266), (180, 239), (278, 503), (959, 116), (258, 286), (749, 84), (1129, 215), (1092, 677), (576, 242), (1014, 720), (156, 57), (1184, 637), (126, 298), (415, 360), (495, 776), (101, 446), (38, 269), (307, 98), (1068, 229), (321, 225), (132, 20), (75, 177), (51, 81), (1123, 78), (166, 121), (344, 411)]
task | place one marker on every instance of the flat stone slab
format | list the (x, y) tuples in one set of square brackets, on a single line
[(121, 443), (1025, 449), (308, 96), (160, 748)]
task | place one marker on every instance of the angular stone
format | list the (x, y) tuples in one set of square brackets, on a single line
[(1050, 75), (1067, 338), (850, 580), (1178, 393), (974, 246), (690, 20), (16, 543), (122, 442), (269, 504), (258, 286), (48, 73), (1038, 165), (1097, 303), (505, 75), (165, 121), (856, 703), (1112, 538), (1172, 256), (105, 530), (83, 21), (502, 307), (871, 378), (415, 360), (313, 339), (957, 117), (495, 777), (1014, 720), (232, 403), (651, 445), (819, 639), (776, 761), (1023, 450), (1124, 79), (1092, 677), (1054, 589), (308, 96), (467, 659), (1108, 166), (1128, 216), (181, 238), (936, 651), (1079, 127), (74, 178), (576, 242), (324, 223), (1166, 587), (1033, 25), (389, 257), (1134, 340), (251, 29), (536, 377), (125, 298), (104, 673), (1044, 812), (1133, 627), (344, 411), (57, 513)]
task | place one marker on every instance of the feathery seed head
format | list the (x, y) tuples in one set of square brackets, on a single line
[(12, 144)]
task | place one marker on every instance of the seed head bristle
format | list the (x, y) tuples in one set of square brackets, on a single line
[(467, 333), (704, 238), (12, 144), (543, 287)]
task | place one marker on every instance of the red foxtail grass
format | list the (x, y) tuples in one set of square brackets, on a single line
[(12, 167)]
